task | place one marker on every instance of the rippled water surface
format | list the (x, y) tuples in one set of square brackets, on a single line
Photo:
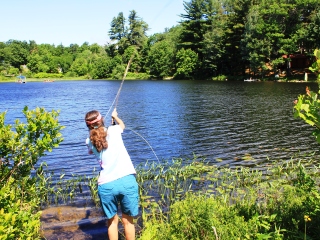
[(236, 123)]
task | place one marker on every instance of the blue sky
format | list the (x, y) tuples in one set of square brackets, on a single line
[(77, 21)]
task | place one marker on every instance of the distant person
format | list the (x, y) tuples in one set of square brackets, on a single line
[(116, 182)]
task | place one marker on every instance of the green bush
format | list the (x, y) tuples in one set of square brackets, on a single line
[(117, 71), (219, 78), (48, 75), (240, 203), (307, 105), (21, 146), (315, 67), (201, 217), (71, 74), (140, 76), (19, 218), (193, 199), (13, 71)]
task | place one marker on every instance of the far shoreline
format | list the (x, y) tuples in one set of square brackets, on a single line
[(46, 80), (298, 78), (82, 79)]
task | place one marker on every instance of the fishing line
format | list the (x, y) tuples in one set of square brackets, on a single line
[(147, 143)]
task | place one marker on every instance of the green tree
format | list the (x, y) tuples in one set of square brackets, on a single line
[(2, 52), (101, 67), (308, 32), (85, 46), (126, 39), (131, 58), (214, 40), (96, 49), (281, 21), (159, 62), (273, 29), (193, 25), (236, 12), (118, 28), (59, 50), (64, 62), (80, 66), (73, 49), (137, 29), (44, 58), (171, 37), (255, 48), (187, 61), (16, 53), (118, 71), (36, 64)]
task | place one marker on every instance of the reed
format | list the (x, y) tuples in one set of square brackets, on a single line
[(258, 190)]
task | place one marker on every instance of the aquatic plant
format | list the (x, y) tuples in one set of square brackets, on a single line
[(193, 197), (240, 203)]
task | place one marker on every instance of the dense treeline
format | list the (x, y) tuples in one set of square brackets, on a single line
[(214, 39)]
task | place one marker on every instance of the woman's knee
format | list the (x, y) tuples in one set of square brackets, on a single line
[(114, 220), (126, 219)]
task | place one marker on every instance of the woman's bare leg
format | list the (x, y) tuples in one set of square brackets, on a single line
[(129, 228), (113, 227)]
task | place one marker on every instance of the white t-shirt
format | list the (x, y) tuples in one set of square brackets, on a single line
[(115, 160)]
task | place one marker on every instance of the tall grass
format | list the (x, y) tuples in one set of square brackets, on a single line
[(267, 202), (195, 199)]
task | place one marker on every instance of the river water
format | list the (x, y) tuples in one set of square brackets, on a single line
[(235, 123)]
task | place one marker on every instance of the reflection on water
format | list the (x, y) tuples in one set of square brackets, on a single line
[(236, 123)]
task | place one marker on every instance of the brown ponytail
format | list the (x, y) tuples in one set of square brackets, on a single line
[(98, 138), (98, 133)]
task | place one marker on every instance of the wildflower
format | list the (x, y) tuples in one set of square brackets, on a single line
[(307, 218)]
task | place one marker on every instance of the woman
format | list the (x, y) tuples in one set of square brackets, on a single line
[(116, 182)]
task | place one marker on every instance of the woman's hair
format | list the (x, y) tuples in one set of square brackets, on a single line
[(98, 133)]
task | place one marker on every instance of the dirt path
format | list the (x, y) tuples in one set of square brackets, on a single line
[(67, 222), (75, 223)]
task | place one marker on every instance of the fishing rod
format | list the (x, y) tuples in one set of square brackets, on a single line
[(115, 103), (116, 99)]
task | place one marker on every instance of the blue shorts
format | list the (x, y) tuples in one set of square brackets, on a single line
[(124, 191)]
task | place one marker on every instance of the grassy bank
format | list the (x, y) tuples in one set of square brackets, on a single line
[(59, 80), (297, 75), (43, 79), (193, 199)]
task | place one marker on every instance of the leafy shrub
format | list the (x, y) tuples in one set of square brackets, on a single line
[(48, 75), (201, 217), (315, 67), (141, 76), (219, 78), (187, 62), (118, 71), (20, 150), (13, 71), (18, 217), (307, 105), (71, 74), (192, 199), (241, 203)]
